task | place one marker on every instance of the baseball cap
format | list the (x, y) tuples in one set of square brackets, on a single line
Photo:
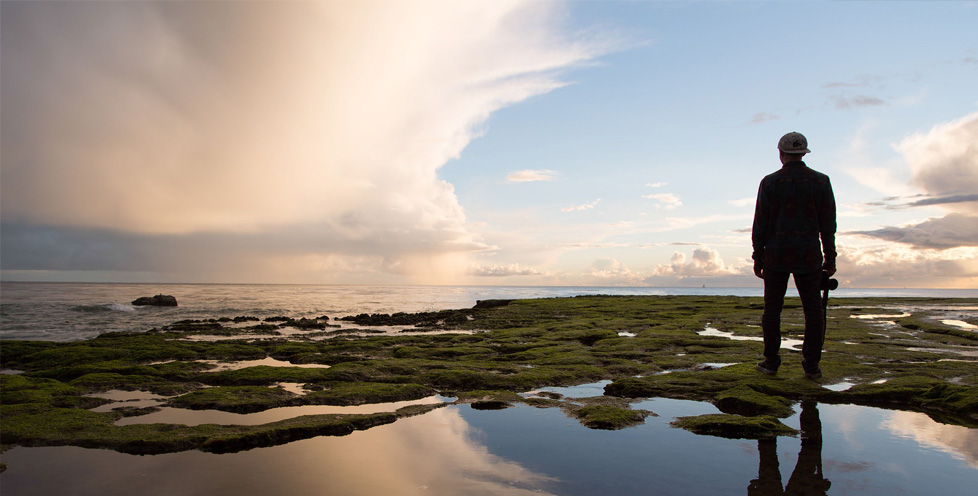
[(793, 143)]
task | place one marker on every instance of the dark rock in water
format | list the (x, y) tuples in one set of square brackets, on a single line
[(421, 319), (304, 323), (160, 300)]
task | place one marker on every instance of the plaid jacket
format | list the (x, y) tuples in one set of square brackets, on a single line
[(795, 209)]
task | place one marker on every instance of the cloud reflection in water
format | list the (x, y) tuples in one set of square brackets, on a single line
[(438, 453), (960, 442)]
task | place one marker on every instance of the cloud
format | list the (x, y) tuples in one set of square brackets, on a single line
[(863, 80), (920, 200), (705, 262), (845, 102), (513, 269), (656, 185), (944, 162), (578, 208), (761, 117), (743, 202), (667, 200), (611, 272), (893, 265), (305, 131), (888, 178), (945, 200), (675, 223), (529, 175), (951, 231), (310, 254)]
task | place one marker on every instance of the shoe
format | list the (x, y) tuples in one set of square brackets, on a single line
[(814, 374), (811, 372), (767, 368)]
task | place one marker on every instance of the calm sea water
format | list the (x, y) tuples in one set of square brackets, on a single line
[(73, 311)]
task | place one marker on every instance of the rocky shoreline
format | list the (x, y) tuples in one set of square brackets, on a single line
[(493, 355)]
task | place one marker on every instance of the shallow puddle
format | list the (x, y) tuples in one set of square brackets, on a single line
[(334, 328), (130, 399), (168, 415), (525, 450), (581, 391), (846, 384), (839, 386), (960, 324), (786, 343), (221, 366), (957, 350), (880, 316)]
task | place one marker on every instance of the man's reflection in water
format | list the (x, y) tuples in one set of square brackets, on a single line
[(807, 478)]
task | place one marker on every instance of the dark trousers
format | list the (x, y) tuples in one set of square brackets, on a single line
[(809, 284), (807, 479)]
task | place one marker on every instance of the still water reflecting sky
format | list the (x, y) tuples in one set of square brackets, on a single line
[(525, 450)]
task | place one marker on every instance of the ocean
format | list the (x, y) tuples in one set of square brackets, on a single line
[(75, 311)]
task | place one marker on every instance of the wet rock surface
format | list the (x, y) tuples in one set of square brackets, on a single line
[(502, 351)]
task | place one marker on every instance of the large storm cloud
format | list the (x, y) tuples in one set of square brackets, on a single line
[(284, 138)]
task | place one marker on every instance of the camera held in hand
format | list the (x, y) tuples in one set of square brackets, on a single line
[(828, 283)]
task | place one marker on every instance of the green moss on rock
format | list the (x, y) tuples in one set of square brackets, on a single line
[(237, 399), (360, 393), (609, 417), (744, 400), (735, 426)]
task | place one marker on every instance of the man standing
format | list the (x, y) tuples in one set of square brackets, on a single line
[(794, 234)]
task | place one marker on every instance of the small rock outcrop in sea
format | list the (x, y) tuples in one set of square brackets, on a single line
[(160, 300)]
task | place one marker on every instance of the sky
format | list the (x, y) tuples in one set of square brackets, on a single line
[(605, 143)]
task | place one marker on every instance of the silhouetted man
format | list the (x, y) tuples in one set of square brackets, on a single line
[(807, 479), (794, 234)]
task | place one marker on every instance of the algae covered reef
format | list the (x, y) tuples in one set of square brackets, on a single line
[(904, 353)]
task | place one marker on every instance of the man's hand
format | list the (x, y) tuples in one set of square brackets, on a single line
[(758, 271), (829, 268)]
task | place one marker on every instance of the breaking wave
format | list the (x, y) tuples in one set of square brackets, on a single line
[(108, 307)]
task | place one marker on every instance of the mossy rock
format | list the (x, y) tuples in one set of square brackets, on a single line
[(489, 400), (294, 429), (264, 375), (19, 390), (480, 395), (743, 400), (608, 417), (73, 355), (898, 390), (954, 398), (237, 399), (360, 393), (735, 426)]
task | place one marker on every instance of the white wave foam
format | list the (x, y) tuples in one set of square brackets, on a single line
[(119, 307)]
